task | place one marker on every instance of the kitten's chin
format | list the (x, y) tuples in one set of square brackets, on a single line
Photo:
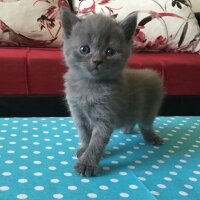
[(103, 75)]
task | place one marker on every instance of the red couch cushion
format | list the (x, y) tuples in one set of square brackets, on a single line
[(40, 71), (13, 72), (180, 71), (27, 71)]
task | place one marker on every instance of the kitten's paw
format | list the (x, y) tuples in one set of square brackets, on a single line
[(127, 129), (154, 139), (86, 170), (80, 152)]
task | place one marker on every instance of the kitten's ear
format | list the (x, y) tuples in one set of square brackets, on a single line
[(129, 25), (68, 21)]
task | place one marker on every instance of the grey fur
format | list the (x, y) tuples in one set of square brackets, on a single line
[(106, 96)]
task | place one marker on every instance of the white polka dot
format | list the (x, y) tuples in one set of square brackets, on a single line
[(11, 151), (64, 163), (4, 124), (45, 132), (52, 168), (36, 143), (38, 174), (124, 195), (133, 187), (161, 186), (178, 166), (166, 156), (182, 193), (4, 188), (183, 161), (65, 131), (72, 187), (145, 156), (173, 173), (196, 172), (22, 180), (115, 162), (92, 195), (24, 147), (131, 167), (123, 157), (142, 179), (188, 186), (55, 180), (22, 196), (37, 152), (193, 179), (24, 139), (155, 193), (123, 173), (138, 161), (50, 157), (151, 152), (23, 167), (168, 178), (155, 166), (6, 173), (67, 174), (103, 187), (114, 180), (12, 142), (84, 180), (24, 156), (58, 196), (37, 162), (106, 168), (148, 172), (39, 188), (61, 152), (9, 162), (161, 161)]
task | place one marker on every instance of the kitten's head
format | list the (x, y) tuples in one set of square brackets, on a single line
[(97, 47)]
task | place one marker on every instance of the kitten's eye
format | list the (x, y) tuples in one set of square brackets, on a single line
[(110, 52), (84, 49)]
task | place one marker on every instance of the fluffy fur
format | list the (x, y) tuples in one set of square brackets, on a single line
[(102, 94)]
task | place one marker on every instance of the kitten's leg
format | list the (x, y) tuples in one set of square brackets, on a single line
[(87, 164), (148, 133), (85, 136), (83, 128), (128, 128)]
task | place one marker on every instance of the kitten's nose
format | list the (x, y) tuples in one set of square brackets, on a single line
[(97, 62)]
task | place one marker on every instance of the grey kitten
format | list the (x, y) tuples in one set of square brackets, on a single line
[(102, 94)]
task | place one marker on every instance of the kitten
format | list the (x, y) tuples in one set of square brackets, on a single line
[(102, 94)]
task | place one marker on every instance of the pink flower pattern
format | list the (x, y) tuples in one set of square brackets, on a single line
[(141, 41)]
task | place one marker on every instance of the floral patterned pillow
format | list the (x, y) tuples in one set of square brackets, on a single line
[(32, 23), (195, 5), (168, 25)]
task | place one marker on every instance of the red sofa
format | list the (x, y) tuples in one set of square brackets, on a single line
[(27, 73)]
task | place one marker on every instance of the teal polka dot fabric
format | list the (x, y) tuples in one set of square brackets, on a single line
[(37, 156)]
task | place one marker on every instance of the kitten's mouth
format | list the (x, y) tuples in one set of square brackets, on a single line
[(95, 69)]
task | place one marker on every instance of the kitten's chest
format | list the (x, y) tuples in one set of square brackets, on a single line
[(88, 94)]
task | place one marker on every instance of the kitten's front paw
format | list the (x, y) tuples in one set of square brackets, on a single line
[(154, 139), (127, 129), (86, 170)]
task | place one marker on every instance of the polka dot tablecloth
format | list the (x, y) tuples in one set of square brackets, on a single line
[(37, 156)]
